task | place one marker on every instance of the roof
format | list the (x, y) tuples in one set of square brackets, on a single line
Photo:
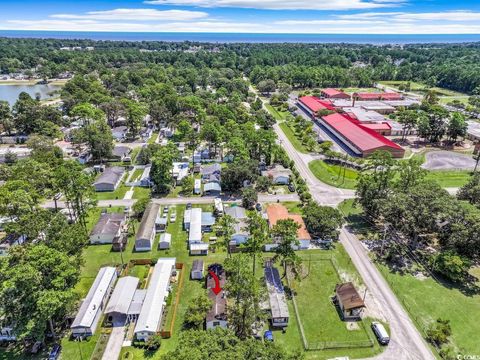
[(276, 212), (348, 296), (276, 293), (377, 126), (219, 301), (151, 314), (276, 171), (208, 219), (314, 104), (108, 224), (195, 232), (137, 302), (166, 237), (379, 96), (198, 246), (122, 295), (333, 92), (197, 265), (148, 222), (361, 137), (212, 186), (210, 169), (110, 175), (119, 151), (237, 212), (363, 115), (92, 303)]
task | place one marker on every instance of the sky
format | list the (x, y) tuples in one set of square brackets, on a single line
[(245, 16)]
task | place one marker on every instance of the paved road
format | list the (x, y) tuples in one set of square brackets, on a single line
[(185, 200), (406, 342)]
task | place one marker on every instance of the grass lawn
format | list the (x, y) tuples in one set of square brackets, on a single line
[(352, 90), (333, 174), (426, 299), (153, 138), (297, 144), (119, 193), (141, 192), (453, 178), (136, 174), (278, 115)]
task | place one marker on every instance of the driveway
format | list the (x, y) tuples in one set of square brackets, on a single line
[(115, 341)]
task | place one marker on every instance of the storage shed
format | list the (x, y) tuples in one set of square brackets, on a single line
[(197, 270), (165, 241)]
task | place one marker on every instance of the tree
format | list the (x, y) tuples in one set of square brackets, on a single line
[(471, 191), (134, 112), (452, 266), (10, 157), (263, 183), (237, 172), (244, 293), (431, 97), (439, 332), (408, 119), (196, 311), (187, 185), (266, 86), (285, 234), (457, 126), (258, 231), (97, 136), (227, 224), (249, 197), (162, 166), (140, 206), (322, 222), (6, 118)]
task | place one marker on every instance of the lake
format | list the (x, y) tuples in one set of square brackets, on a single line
[(10, 92)]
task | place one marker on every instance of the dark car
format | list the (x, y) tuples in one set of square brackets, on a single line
[(258, 207), (291, 187), (189, 206), (55, 352), (268, 336)]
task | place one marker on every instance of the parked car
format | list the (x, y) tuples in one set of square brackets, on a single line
[(36, 347), (268, 335), (173, 217), (55, 352), (258, 206), (189, 206), (380, 333), (291, 187), (165, 210)]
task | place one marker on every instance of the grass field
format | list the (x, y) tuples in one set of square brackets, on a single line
[(297, 144), (333, 174), (278, 115), (426, 300), (450, 178)]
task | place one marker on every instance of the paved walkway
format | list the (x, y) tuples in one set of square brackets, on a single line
[(115, 342)]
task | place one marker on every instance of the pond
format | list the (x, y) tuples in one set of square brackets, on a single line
[(10, 92)]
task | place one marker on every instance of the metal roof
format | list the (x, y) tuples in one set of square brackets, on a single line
[(197, 265), (166, 237), (237, 212), (276, 293), (137, 302), (212, 186), (108, 224), (195, 233), (122, 295), (92, 303), (150, 316), (147, 225), (110, 175)]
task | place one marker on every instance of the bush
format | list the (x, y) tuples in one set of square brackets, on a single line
[(263, 183), (153, 342), (439, 331)]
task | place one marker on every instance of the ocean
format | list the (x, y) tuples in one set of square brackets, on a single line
[(248, 38)]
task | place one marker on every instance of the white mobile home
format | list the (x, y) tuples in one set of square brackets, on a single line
[(90, 311), (150, 318), (197, 188), (199, 249), (195, 226), (165, 241), (146, 231)]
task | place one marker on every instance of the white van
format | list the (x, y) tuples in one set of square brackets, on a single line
[(380, 333)]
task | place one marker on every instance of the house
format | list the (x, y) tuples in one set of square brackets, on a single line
[(181, 148), (197, 187), (7, 333), (197, 270), (161, 222), (217, 315), (165, 241), (119, 133), (211, 172), (197, 157), (109, 179), (109, 227), (278, 174), (279, 314), (11, 240), (121, 300), (192, 214), (198, 249), (240, 234), (150, 318), (121, 153), (180, 171), (334, 94), (349, 301), (277, 212), (218, 208), (146, 231), (90, 311), (145, 178), (212, 189)]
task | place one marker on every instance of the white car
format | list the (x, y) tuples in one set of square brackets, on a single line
[(173, 217)]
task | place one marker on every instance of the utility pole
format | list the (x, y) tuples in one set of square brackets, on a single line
[(384, 237)]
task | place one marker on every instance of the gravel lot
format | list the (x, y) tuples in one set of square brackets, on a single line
[(447, 160)]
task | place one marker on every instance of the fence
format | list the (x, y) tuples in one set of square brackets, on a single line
[(324, 345)]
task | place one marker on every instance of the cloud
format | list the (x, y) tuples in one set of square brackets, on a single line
[(285, 4), (136, 15), (456, 15)]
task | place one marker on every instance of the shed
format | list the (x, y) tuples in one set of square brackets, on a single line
[(197, 270), (146, 230), (199, 249), (165, 241), (349, 301)]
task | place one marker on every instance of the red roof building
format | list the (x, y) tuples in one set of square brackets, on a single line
[(334, 94), (313, 104), (373, 96), (359, 138), (382, 128)]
